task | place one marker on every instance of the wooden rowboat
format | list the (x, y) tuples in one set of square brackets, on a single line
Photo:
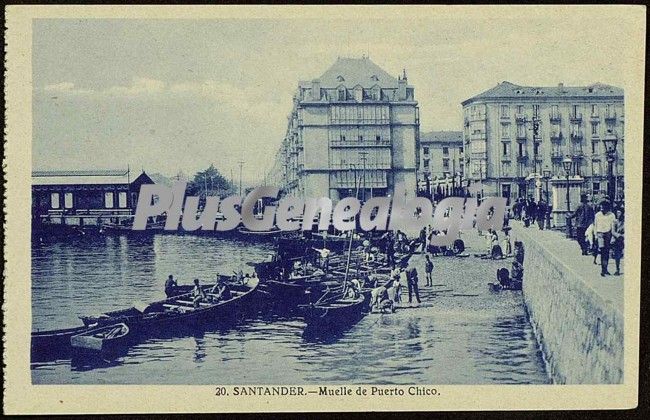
[(334, 315), (179, 311), (53, 344), (101, 339)]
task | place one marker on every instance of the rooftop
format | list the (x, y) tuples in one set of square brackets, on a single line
[(87, 177), (510, 90), (351, 72), (442, 137)]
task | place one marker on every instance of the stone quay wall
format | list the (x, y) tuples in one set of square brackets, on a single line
[(576, 314)]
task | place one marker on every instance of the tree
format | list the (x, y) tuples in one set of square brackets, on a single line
[(210, 182)]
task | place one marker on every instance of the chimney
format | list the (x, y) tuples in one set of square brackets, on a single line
[(401, 89), (315, 90)]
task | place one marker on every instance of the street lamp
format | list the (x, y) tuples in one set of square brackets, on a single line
[(610, 141), (547, 175), (567, 163)]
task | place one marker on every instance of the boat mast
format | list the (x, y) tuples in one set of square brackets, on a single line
[(347, 265)]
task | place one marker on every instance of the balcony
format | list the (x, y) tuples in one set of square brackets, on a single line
[(577, 154), (506, 158), (522, 158), (521, 137), (610, 117), (505, 117), (556, 155), (537, 139), (576, 136), (520, 118), (365, 143), (575, 118), (556, 137), (594, 118), (555, 118)]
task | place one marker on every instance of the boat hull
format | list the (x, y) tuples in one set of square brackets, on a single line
[(101, 340), (157, 319)]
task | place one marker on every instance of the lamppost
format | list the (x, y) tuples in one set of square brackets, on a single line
[(567, 163), (610, 141), (547, 175)]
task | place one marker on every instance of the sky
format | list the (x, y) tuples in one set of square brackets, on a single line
[(177, 95)]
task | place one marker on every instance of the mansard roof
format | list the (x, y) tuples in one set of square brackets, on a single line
[(510, 91), (355, 71)]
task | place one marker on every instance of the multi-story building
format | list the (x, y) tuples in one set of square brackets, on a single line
[(514, 133), (354, 130), (441, 161)]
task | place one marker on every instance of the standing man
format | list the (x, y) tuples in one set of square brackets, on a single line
[(412, 281), (584, 216), (428, 267), (170, 285), (604, 225), (541, 214), (390, 250)]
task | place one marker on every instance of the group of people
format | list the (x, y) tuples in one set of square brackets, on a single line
[(600, 233), (529, 211), (498, 249), (385, 296), (220, 291)]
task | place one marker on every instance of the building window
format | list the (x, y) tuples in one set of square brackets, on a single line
[(108, 200), (596, 188), (594, 147), (520, 109), (341, 94), (67, 200), (574, 111), (121, 199), (521, 149), (342, 137), (555, 111), (505, 110), (594, 129), (445, 164), (445, 151), (536, 110), (426, 163), (536, 149), (426, 151), (506, 149), (360, 138), (54, 201), (460, 150), (378, 139), (594, 110)]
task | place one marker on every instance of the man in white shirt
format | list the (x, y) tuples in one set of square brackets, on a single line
[(603, 225)]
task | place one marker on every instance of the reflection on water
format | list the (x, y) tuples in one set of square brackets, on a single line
[(478, 339)]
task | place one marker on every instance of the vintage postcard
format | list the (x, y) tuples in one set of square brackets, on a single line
[(357, 208)]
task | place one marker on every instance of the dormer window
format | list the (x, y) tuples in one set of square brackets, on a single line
[(340, 79), (341, 94)]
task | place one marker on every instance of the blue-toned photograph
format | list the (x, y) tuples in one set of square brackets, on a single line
[(326, 201)]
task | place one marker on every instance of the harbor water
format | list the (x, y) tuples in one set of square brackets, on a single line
[(461, 334)]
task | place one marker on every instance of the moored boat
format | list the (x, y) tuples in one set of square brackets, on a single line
[(48, 345), (101, 339), (335, 314), (180, 311)]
